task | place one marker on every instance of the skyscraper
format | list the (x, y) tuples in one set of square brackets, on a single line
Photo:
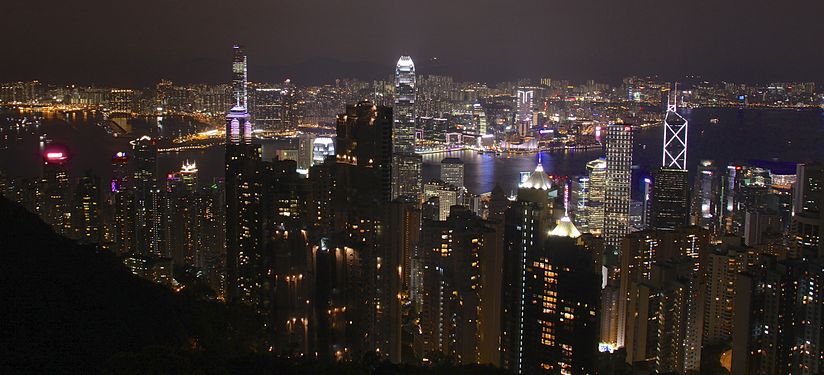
[(706, 198), (670, 189), (239, 78), (675, 138), (144, 179), (54, 203), (617, 191), (670, 198), (619, 141), (406, 165), (361, 195), (244, 235), (403, 133)]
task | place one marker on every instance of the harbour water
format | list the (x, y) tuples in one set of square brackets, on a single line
[(738, 136)]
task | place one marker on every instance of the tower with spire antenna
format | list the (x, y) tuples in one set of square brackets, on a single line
[(675, 135)]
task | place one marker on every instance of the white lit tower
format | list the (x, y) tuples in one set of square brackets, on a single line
[(670, 192), (403, 133), (675, 138), (406, 165)]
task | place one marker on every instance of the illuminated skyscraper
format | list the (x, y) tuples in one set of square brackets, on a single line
[(144, 181), (406, 165), (706, 198), (87, 225), (675, 138), (244, 233), (239, 81), (807, 220), (616, 224), (617, 191), (403, 133), (54, 203)]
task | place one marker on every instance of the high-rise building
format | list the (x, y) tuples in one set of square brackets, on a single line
[(675, 138), (88, 224), (617, 186), (54, 203), (362, 192), (670, 198), (706, 198), (239, 78), (527, 225), (403, 134), (406, 165), (452, 172), (451, 252), (144, 179), (587, 198)]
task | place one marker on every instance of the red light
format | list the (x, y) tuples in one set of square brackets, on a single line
[(737, 167), (55, 156), (627, 128)]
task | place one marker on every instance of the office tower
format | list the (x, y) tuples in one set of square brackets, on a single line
[(527, 224), (452, 172), (744, 188), (646, 200), (670, 189), (806, 224), (670, 198), (406, 165), (403, 134), (587, 198), (144, 168), (617, 186), (523, 108), (239, 80), (245, 261), (616, 223), (706, 198), (212, 236), (88, 225), (451, 252), (777, 327), (361, 194), (54, 191), (674, 154)]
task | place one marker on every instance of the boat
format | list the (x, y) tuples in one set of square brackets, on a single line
[(713, 120)]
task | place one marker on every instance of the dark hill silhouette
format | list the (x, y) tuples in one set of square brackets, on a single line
[(66, 308)]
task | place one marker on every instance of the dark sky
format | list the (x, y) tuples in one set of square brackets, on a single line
[(137, 42)]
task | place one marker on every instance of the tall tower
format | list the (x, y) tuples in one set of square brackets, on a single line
[(616, 225), (406, 165), (670, 191), (524, 110), (403, 135), (239, 81), (618, 180), (244, 234), (675, 138)]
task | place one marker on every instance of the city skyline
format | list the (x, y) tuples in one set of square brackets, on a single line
[(419, 222)]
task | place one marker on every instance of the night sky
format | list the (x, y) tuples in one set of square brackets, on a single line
[(135, 43)]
